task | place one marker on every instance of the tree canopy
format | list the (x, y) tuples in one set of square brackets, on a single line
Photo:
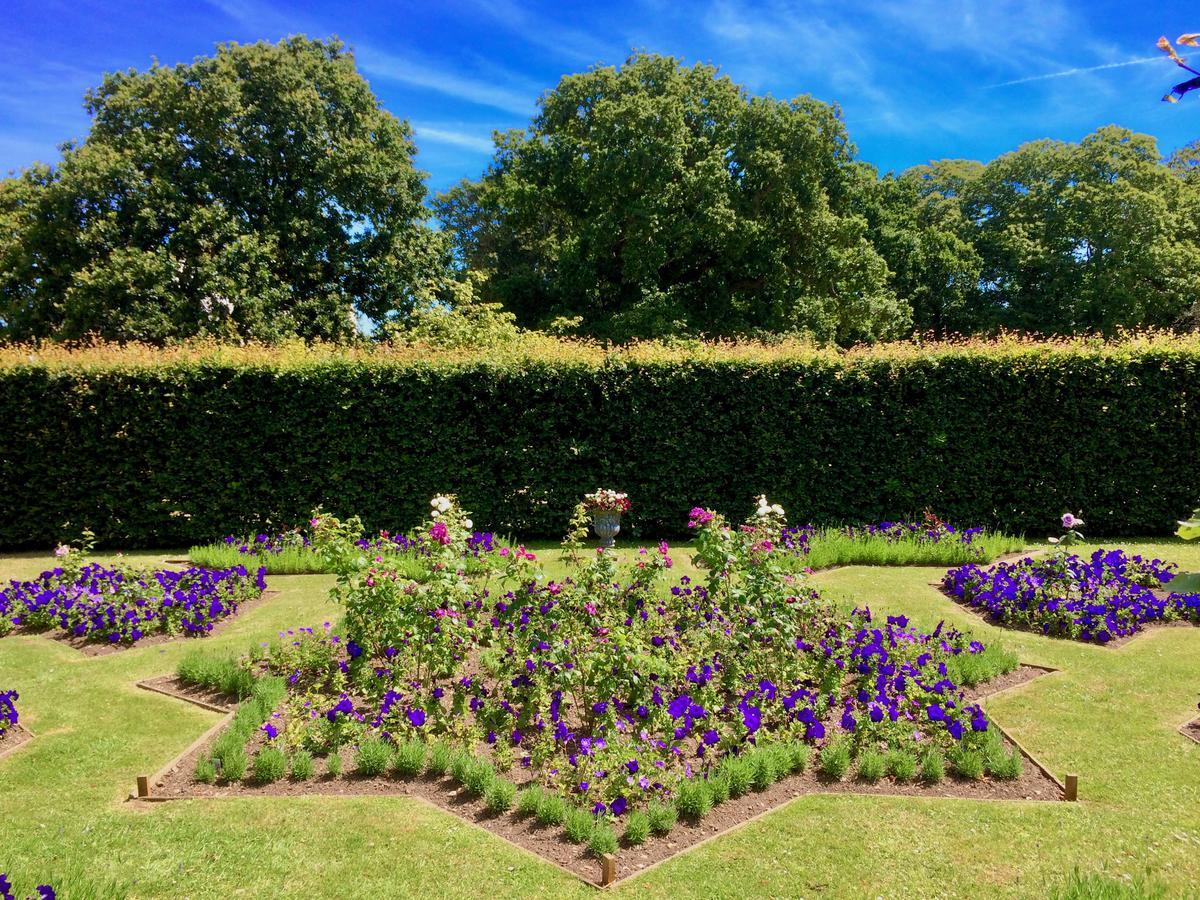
[(258, 193), (655, 199)]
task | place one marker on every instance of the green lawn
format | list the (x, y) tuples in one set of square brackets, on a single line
[(1110, 716)]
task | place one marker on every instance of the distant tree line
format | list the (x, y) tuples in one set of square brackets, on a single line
[(263, 193)]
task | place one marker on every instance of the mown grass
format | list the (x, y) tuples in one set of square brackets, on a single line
[(1109, 715), (830, 547)]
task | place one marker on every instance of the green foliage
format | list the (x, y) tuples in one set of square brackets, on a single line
[(603, 839), (1097, 886), (718, 787), (933, 766), (478, 777), (372, 757), (970, 669), (832, 547), (551, 809), (764, 769), (206, 771), (409, 759), (499, 795), (871, 765), (658, 199), (967, 763), (834, 760), (86, 436), (693, 799), (578, 825), (288, 561), (902, 765), (529, 799), (302, 765), (439, 759), (270, 764), (231, 761), (740, 775), (333, 765), (661, 816), (215, 673), (260, 193), (637, 828)]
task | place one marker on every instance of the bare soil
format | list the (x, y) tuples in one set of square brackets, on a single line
[(13, 738), (176, 782), (1192, 730), (173, 687)]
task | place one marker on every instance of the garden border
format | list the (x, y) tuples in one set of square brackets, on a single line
[(609, 876), (29, 736), (1191, 729), (146, 685)]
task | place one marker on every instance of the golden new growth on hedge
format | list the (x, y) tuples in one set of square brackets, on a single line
[(537, 349)]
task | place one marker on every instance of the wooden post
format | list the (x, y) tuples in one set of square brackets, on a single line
[(608, 869), (143, 783), (1072, 788)]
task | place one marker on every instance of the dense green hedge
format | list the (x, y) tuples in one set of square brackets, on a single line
[(177, 450)]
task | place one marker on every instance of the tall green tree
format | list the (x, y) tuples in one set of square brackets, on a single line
[(258, 193), (1088, 236), (654, 199)]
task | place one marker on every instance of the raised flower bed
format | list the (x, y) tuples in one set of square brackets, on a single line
[(1101, 598), (600, 713), (98, 608)]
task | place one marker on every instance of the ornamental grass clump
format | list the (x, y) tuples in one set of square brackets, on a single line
[(270, 764), (739, 773), (693, 799), (637, 828), (439, 759), (206, 771), (500, 795), (933, 766), (333, 765), (901, 765), (834, 760), (603, 840), (871, 765), (372, 757), (578, 825), (551, 809), (301, 765), (409, 758), (661, 816), (967, 763), (529, 799), (479, 776)]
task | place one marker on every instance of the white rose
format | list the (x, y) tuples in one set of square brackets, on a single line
[(777, 509), (468, 524)]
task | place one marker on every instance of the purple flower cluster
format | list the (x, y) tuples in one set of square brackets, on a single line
[(1107, 596), (799, 538), (8, 710), (122, 606), (44, 891), (263, 544)]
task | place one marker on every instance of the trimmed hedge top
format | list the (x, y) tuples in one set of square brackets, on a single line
[(178, 446)]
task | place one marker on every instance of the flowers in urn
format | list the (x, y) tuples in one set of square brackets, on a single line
[(606, 508)]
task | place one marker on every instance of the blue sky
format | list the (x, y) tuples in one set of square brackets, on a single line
[(918, 80)]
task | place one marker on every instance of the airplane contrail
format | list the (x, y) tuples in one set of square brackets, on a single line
[(1068, 72)]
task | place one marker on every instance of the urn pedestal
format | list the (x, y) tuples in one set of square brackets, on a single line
[(607, 524)]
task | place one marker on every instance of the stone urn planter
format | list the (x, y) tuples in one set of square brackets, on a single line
[(607, 524)]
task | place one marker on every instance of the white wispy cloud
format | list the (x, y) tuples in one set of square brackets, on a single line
[(547, 33), (1082, 70), (423, 74), (453, 136)]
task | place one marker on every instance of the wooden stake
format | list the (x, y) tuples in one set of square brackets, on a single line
[(1072, 788), (143, 783), (608, 869)]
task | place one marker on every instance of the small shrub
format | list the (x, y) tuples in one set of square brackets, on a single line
[(795, 756), (637, 828), (528, 800), (718, 787), (737, 772), (1007, 766), (871, 765), (372, 757), (500, 795), (333, 765), (933, 766), (269, 765), (409, 759), (233, 763), (902, 765), (834, 760), (764, 770), (578, 825), (603, 839), (693, 799), (968, 764), (661, 816), (206, 772), (302, 765), (460, 764), (479, 777), (551, 809), (439, 759)]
